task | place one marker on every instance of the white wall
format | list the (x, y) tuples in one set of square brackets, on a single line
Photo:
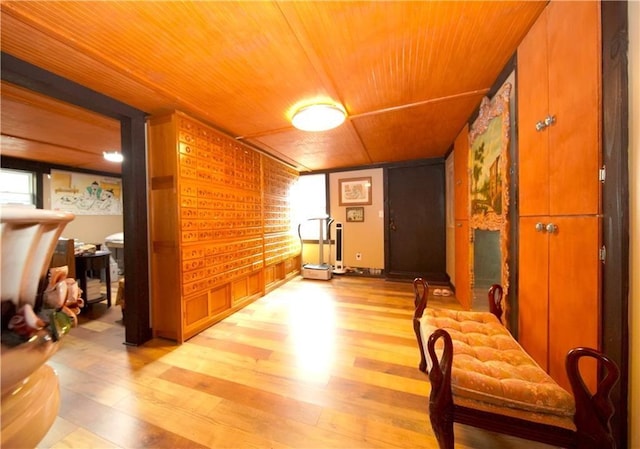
[(634, 224), (367, 237)]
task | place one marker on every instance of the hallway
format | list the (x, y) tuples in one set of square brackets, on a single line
[(313, 364)]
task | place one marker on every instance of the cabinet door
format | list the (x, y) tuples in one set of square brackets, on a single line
[(533, 302), (574, 291), (532, 82), (574, 99), (463, 286), (461, 174)]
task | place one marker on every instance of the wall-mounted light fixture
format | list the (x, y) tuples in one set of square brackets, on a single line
[(112, 156), (318, 117)]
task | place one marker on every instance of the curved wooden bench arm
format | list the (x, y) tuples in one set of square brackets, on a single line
[(593, 412), (441, 399), (421, 290), (495, 300)]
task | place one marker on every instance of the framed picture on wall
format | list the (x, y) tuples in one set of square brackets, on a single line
[(85, 194), (355, 191), (355, 214)]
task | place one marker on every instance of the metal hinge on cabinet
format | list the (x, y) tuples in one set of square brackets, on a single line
[(602, 253), (602, 174)]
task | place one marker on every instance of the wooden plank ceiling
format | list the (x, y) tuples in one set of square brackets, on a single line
[(409, 74)]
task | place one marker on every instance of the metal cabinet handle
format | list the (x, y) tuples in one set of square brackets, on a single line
[(551, 228), (548, 121), (540, 227)]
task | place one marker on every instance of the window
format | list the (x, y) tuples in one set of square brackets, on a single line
[(17, 187), (309, 200)]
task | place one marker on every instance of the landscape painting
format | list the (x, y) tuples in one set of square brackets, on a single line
[(488, 161)]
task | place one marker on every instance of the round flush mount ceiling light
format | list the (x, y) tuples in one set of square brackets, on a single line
[(318, 117), (112, 156)]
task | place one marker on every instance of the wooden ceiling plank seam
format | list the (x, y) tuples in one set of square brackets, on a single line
[(370, 159), (274, 154), (361, 141), (313, 148), (297, 28), (415, 128), (387, 73), (267, 133), (420, 103), (294, 23)]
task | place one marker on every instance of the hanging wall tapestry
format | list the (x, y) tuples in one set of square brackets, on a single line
[(489, 193), (84, 194)]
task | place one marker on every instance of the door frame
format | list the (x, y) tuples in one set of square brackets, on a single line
[(134, 179), (615, 204)]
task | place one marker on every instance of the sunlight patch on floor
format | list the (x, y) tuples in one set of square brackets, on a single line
[(312, 324)]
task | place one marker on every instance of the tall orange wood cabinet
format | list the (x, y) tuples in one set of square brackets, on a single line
[(559, 98), (219, 225), (461, 215)]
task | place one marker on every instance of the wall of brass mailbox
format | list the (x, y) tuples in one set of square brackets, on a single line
[(219, 224)]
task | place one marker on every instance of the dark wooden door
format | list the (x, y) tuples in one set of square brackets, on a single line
[(415, 222)]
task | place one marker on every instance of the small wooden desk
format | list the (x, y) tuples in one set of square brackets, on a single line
[(92, 266)]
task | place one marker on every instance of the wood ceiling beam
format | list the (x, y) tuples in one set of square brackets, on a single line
[(420, 103)]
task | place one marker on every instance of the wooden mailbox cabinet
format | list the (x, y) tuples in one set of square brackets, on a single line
[(219, 224)]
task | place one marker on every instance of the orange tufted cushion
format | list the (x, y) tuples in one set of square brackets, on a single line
[(490, 366)]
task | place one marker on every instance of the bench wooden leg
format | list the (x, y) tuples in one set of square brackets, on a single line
[(440, 399), (442, 426), (593, 412)]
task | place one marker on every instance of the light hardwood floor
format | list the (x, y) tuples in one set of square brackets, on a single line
[(314, 364)]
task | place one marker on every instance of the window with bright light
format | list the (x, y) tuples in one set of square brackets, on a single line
[(309, 200), (17, 187)]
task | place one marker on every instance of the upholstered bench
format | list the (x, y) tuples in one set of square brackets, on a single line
[(482, 377)]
